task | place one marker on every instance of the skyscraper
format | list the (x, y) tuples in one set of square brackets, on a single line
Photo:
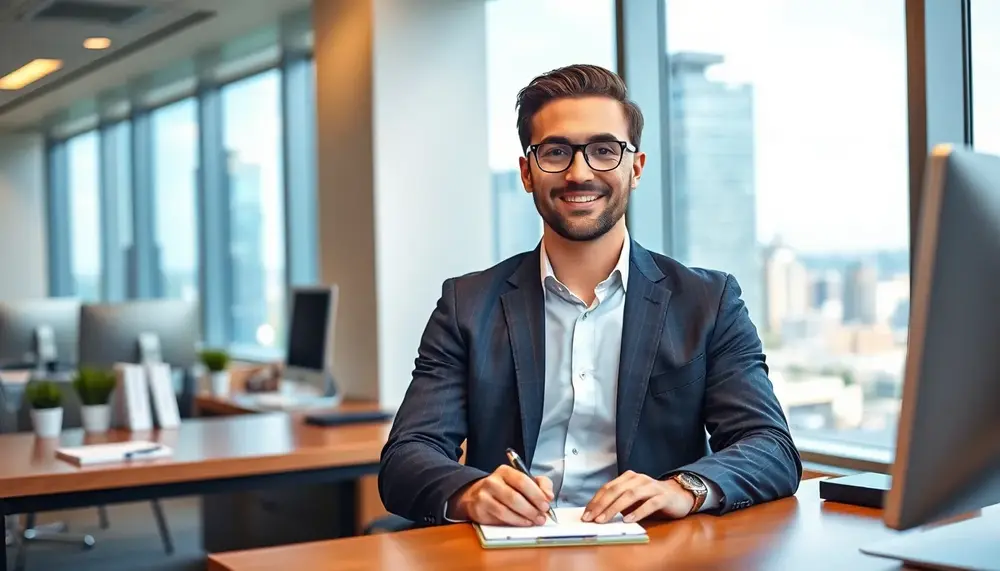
[(786, 288), (712, 172), (246, 243), (860, 284)]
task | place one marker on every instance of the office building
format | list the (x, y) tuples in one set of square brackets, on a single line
[(860, 284), (786, 287), (249, 298), (712, 173)]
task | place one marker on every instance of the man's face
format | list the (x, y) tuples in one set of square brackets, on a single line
[(583, 202)]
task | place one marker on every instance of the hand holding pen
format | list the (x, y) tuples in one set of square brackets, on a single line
[(508, 496)]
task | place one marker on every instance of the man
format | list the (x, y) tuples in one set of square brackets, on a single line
[(601, 363)]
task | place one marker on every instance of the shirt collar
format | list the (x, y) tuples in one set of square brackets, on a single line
[(621, 268)]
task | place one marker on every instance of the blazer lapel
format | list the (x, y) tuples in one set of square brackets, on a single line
[(646, 304), (524, 312)]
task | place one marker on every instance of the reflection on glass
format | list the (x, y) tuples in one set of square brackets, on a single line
[(175, 170), (770, 184), (986, 75), (557, 33), (84, 181), (252, 135)]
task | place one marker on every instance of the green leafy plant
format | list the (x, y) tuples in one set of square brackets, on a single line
[(215, 360), (94, 385), (43, 394)]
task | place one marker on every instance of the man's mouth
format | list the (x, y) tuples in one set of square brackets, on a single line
[(580, 198)]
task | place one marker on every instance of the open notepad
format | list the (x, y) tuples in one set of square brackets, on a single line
[(569, 531)]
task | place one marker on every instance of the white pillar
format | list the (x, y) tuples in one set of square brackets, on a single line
[(404, 185)]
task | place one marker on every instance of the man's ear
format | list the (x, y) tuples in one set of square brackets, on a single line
[(525, 166), (637, 165)]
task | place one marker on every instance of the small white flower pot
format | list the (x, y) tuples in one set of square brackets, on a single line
[(96, 418), (47, 422), (220, 383)]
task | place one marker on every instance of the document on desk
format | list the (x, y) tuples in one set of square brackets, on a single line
[(132, 451), (569, 531)]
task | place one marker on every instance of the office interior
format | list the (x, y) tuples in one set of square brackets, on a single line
[(177, 175)]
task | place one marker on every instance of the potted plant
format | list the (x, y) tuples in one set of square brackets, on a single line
[(217, 361), (45, 398), (94, 387)]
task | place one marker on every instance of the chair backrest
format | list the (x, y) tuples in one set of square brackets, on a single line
[(72, 415)]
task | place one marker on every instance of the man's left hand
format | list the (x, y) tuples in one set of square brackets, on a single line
[(638, 496)]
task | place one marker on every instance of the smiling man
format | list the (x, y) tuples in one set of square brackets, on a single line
[(602, 364)]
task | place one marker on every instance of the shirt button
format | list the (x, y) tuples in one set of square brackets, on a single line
[(583, 375), (575, 452), (585, 316)]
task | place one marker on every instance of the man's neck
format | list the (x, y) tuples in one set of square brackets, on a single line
[(580, 266)]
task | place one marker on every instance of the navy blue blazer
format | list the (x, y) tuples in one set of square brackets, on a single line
[(691, 360)]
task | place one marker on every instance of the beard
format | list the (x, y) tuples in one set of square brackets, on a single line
[(585, 227)]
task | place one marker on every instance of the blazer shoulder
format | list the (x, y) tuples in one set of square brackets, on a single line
[(682, 278), (476, 284)]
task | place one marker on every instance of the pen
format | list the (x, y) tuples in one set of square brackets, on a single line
[(518, 465), (141, 451)]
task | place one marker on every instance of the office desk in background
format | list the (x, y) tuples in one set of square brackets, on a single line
[(795, 533), (210, 456)]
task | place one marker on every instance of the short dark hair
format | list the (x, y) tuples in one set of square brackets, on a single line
[(575, 81)]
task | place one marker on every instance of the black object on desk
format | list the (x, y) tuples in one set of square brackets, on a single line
[(866, 489), (338, 418)]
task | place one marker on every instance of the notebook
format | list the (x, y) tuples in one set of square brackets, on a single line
[(569, 531), (133, 451)]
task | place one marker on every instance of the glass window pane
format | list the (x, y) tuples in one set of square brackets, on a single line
[(526, 38), (175, 170), (789, 170), (85, 215), (986, 75), (252, 134)]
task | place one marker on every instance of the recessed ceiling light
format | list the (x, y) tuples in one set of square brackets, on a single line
[(97, 43), (29, 73)]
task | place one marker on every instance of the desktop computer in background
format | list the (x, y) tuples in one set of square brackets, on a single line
[(307, 380), (948, 444), (159, 331), (39, 333)]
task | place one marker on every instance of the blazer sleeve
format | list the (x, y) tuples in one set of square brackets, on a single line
[(754, 459), (419, 469)]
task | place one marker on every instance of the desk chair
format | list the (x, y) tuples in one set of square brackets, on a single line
[(57, 531)]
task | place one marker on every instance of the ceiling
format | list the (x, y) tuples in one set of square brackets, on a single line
[(146, 35)]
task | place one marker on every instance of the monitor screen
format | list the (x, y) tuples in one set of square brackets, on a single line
[(308, 329)]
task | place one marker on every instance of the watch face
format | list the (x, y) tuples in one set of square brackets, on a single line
[(691, 483)]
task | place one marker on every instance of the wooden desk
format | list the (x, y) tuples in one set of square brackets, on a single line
[(795, 533), (210, 455)]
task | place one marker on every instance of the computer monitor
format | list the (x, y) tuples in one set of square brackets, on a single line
[(308, 355), (39, 332), (948, 440), (162, 330)]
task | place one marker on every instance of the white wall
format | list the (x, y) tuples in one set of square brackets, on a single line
[(404, 181), (23, 250)]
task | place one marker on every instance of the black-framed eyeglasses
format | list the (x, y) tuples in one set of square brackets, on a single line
[(600, 155)]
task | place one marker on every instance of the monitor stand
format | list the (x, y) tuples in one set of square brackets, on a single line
[(46, 354), (149, 348), (969, 545)]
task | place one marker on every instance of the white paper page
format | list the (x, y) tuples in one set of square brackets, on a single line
[(113, 452), (569, 526)]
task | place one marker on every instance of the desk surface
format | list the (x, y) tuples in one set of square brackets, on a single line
[(795, 533), (203, 449)]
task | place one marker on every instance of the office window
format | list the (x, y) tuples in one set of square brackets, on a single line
[(788, 168), (985, 15), (252, 136), (526, 38), (84, 201), (174, 174)]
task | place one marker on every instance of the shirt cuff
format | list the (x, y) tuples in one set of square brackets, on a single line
[(448, 519), (712, 498)]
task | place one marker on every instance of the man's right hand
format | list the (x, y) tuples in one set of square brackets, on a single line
[(505, 497)]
